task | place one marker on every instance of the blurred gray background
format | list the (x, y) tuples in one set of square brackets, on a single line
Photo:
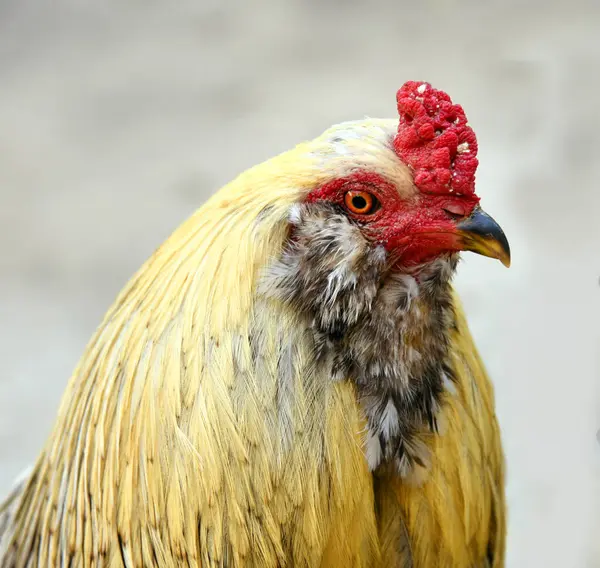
[(118, 120)]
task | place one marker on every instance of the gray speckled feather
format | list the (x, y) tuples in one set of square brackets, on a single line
[(387, 331)]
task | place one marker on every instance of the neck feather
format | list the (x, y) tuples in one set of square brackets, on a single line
[(385, 330)]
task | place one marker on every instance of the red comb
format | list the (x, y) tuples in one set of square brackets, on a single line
[(434, 140)]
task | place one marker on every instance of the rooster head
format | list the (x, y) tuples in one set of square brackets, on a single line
[(427, 206)]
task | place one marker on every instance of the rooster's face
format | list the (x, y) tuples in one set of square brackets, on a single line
[(419, 202)]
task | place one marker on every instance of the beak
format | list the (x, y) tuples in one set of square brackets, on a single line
[(481, 234)]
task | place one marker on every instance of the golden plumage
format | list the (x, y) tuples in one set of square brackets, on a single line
[(174, 444)]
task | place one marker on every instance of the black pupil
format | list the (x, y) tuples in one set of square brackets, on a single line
[(359, 202)]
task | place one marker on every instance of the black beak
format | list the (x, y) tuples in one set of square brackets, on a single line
[(481, 234)]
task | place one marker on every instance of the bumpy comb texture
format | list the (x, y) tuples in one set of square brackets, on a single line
[(434, 140)]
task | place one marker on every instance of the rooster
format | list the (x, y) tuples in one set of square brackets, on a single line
[(289, 380)]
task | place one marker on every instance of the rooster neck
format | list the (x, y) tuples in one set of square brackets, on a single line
[(386, 331), (397, 355)]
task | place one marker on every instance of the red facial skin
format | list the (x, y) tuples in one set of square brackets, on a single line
[(413, 231)]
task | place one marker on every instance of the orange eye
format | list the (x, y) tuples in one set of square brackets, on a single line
[(360, 202)]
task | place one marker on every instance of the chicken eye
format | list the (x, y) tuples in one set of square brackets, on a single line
[(361, 202)]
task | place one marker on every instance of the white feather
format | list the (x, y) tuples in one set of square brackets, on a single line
[(373, 451)]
